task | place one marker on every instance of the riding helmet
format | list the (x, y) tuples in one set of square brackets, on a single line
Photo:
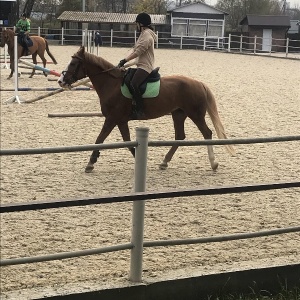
[(143, 18), (23, 15)]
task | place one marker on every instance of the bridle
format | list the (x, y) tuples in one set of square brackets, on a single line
[(74, 74)]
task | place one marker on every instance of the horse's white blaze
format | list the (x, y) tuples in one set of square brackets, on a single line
[(60, 80)]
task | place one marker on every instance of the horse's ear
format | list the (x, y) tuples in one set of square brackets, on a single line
[(81, 50)]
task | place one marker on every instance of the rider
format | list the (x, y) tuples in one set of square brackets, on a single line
[(23, 28), (143, 51)]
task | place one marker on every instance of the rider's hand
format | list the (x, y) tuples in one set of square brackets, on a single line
[(122, 63)]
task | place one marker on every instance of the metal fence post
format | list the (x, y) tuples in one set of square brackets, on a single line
[(136, 259), (111, 37), (229, 42), (241, 43), (62, 36), (287, 47)]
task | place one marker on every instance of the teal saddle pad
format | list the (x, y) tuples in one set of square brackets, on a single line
[(149, 88), (152, 90)]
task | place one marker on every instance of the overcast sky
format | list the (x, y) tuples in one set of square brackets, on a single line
[(292, 2)]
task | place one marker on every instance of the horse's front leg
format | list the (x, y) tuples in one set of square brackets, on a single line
[(124, 130), (107, 128), (11, 74), (11, 69)]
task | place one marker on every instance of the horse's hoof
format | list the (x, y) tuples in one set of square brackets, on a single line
[(214, 166), (163, 166), (30, 76), (89, 168)]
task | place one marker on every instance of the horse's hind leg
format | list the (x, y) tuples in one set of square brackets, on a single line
[(178, 117), (44, 63), (124, 130), (35, 62), (207, 134), (107, 128)]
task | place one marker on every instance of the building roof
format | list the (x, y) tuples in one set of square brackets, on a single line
[(262, 20), (103, 17), (199, 7)]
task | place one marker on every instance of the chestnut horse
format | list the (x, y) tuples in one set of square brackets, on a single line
[(38, 48), (181, 96)]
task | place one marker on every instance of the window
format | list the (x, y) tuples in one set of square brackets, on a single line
[(197, 27), (215, 28), (179, 27)]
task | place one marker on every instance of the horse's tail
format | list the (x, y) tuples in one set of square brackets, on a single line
[(49, 53), (215, 118)]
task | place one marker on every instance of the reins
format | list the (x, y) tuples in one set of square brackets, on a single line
[(104, 71)]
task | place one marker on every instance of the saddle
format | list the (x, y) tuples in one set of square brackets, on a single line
[(150, 85), (22, 39)]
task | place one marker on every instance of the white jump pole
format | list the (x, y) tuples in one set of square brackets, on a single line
[(137, 237), (16, 97), (59, 90), (5, 57), (40, 68)]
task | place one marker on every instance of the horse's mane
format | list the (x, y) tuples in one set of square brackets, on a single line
[(98, 61)]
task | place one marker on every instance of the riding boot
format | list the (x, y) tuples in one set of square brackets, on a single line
[(26, 51), (25, 45), (137, 106)]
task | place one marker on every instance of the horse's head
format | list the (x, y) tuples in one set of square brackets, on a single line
[(5, 37), (74, 71)]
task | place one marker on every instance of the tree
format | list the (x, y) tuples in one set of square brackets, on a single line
[(28, 7), (238, 9), (150, 6), (75, 5), (294, 12)]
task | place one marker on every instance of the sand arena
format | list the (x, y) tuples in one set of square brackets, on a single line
[(256, 97)]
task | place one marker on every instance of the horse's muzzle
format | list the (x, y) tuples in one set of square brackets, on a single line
[(63, 84)]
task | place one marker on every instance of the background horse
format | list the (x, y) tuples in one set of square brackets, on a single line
[(181, 96), (38, 48)]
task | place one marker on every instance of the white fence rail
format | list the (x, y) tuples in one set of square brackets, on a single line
[(137, 243), (287, 48)]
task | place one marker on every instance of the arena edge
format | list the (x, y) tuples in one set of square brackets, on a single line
[(265, 282)]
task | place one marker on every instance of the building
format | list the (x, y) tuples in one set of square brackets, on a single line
[(197, 20), (270, 31), (104, 21)]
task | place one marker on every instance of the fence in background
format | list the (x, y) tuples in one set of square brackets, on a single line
[(137, 243), (288, 48)]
